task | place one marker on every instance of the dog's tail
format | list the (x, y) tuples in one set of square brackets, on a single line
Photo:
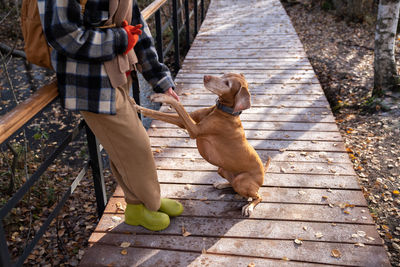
[(267, 164)]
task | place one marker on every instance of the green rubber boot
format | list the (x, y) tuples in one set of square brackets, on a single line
[(171, 207), (138, 214)]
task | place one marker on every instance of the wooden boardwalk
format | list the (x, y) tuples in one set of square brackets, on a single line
[(310, 192)]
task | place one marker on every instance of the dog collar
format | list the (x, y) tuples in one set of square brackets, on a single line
[(227, 109)]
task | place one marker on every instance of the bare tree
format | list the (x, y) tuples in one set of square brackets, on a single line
[(385, 72)]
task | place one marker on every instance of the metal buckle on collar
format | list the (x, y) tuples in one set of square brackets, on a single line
[(227, 109)]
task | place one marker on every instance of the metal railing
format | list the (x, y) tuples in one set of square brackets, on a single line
[(14, 121)]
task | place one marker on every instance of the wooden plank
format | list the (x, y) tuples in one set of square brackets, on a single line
[(196, 72), (263, 64), (287, 110), (209, 97), (270, 211), (262, 101), (248, 228), (255, 89), (275, 167), (297, 157), (266, 80), (258, 144), (268, 194), (152, 8), (205, 42), (110, 255), (257, 135), (277, 126), (253, 55), (16, 118), (309, 251), (253, 76), (271, 179)]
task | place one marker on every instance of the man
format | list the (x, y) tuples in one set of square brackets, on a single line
[(95, 50)]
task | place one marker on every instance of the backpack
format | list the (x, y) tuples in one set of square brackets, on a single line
[(36, 48)]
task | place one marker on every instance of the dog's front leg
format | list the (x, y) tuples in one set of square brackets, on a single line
[(188, 122)]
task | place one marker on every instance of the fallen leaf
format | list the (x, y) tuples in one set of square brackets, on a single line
[(61, 232), (298, 241), (119, 206), (184, 232), (124, 252), (335, 253), (285, 259), (116, 218), (361, 233), (251, 264), (359, 245), (318, 235), (125, 244)]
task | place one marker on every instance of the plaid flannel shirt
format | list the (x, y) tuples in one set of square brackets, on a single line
[(80, 48)]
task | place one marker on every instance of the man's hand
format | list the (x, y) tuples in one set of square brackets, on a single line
[(172, 93)]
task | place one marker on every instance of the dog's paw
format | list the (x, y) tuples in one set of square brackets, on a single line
[(222, 185), (157, 97), (247, 210), (162, 98)]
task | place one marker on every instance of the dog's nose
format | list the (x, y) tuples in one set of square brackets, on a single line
[(207, 78)]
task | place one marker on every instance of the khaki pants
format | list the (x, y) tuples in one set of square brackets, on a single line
[(128, 146)]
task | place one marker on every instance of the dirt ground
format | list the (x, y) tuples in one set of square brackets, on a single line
[(341, 53)]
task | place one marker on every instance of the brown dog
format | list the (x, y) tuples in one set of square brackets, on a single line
[(220, 136)]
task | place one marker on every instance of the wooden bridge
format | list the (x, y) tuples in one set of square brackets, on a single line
[(313, 211)]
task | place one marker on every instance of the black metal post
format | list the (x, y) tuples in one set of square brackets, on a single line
[(97, 170), (159, 37), (4, 254), (195, 18), (202, 10), (187, 23), (176, 33), (135, 87)]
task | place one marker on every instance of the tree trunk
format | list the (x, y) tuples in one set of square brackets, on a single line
[(385, 72)]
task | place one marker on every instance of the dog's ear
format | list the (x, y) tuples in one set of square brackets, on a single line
[(242, 100)]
